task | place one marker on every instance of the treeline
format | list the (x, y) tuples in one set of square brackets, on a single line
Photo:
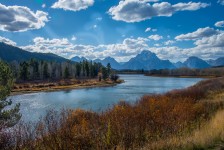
[(128, 71), (213, 72), (44, 70)]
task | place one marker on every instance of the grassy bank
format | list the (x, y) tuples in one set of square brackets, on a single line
[(190, 118), (30, 87)]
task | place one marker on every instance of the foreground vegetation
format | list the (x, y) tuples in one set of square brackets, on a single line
[(8, 117), (173, 120)]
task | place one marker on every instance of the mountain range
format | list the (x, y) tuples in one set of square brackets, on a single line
[(193, 62), (217, 62), (78, 59), (145, 60)]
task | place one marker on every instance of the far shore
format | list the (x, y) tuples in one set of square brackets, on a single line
[(181, 76), (34, 87)]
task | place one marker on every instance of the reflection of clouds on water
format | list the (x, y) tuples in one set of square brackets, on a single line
[(97, 99)]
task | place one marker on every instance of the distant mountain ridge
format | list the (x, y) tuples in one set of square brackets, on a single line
[(195, 62), (145, 60), (217, 62), (10, 53), (78, 59), (114, 64)]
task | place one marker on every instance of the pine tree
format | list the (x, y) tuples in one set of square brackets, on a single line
[(87, 68), (24, 72), (78, 69), (45, 72), (105, 74), (9, 117), (35, 68), (108, 68), (66, 73)]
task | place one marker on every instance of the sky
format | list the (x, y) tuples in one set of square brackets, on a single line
[(173, 29)]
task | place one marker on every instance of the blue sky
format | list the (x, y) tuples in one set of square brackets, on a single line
[(121, 29)]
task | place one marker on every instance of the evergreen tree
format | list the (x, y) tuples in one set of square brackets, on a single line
[(108, 68), (78, 69), (24, 73), (9, 117), (35, 68), (66, 73), (45, 72), (114, 77), (87, 68), (105, 74)]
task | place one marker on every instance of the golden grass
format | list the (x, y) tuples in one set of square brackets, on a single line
[(209, 135)]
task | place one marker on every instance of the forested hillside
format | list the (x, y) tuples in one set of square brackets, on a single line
[(10, 53)]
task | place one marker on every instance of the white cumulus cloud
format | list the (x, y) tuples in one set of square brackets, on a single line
[(212, 41), (155, 37), (147, 29), (219, 24), (169, 42), (73, 5), (140, 10), (74, 38), (43, 5), (199, 33), (20, 18)]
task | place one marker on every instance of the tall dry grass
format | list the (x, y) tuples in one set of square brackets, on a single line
[(209, 136)]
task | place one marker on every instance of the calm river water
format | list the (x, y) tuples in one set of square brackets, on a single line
[(97, 99)]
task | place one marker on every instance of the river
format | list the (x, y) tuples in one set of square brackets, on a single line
[(34, 105)]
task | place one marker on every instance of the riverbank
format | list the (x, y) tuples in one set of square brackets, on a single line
[(182, 76), (47, 86)]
